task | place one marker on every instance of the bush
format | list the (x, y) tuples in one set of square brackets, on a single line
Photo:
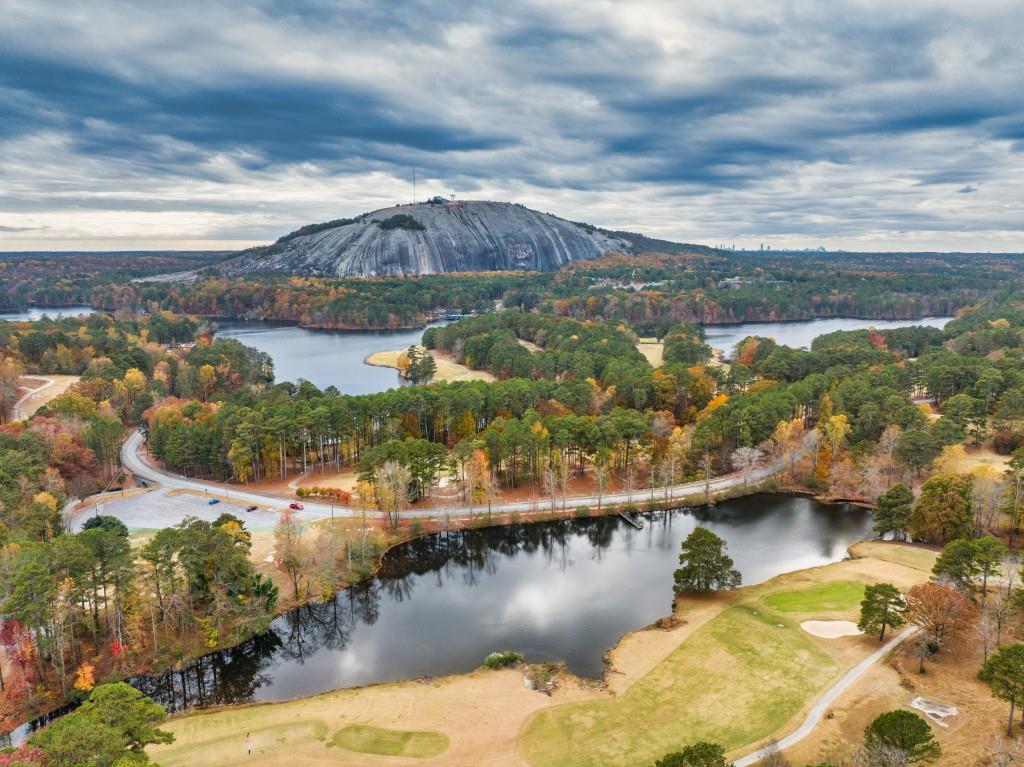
[(400, 221), (630, 508), (1005, 442), (582, 511), (301, 492), (498, 660)]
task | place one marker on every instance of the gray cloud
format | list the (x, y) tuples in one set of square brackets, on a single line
[(226, 122)]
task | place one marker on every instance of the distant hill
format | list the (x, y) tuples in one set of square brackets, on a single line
[(434, 237)]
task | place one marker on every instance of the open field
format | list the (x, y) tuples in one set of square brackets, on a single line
[(735, 669), (653, 350), (950, 678), (918, 557), (447, 368), (40, 390)]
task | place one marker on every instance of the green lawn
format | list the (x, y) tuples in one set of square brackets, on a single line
[(377, 740), (839, 596), (738, 679)]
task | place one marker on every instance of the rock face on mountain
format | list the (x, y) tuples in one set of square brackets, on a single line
[(430, 238)]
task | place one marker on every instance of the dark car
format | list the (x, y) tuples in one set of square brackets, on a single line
[(251, 508)]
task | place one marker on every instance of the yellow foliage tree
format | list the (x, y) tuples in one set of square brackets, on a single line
[(85, 678)]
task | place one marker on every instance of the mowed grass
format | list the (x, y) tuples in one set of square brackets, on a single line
[(228, 747), (737, 679), (835, 597), (383, 742), (898, 553)]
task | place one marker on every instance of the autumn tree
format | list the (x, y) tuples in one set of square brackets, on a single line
[(393, 489), (883, 607), (704, 564), (943, 512), (289, 550), (942, 611)]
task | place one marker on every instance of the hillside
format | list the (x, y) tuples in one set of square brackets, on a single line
[(431, 238)]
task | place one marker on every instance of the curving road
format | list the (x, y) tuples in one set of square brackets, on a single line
[(133, 462), (818, 709)]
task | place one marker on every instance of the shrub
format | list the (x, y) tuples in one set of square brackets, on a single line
[(301, 492), (498, 660), (1005, 442), (630, 508), (582, 511), (400, 221)]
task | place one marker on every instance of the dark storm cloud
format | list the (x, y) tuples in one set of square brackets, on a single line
[(776, 118)]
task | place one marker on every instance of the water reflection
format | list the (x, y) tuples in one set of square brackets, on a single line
[(558, 591)]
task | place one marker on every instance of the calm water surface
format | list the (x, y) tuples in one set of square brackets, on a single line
[(799, 334), (53, 312), (324, 357), (560, 591), (335, 357)]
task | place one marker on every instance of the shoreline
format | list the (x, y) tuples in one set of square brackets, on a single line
[(634, 655), (480, 521)]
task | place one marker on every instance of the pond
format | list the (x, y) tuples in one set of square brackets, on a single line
[(799, 334), (324, 357), (53, 312), (561, 591)]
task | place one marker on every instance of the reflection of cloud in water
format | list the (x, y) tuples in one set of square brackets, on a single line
[(561, 591)]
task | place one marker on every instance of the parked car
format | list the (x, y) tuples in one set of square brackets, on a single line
[(213, 502), (251, 508), (296, 506)]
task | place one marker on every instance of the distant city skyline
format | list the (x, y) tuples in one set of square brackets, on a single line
[(850, 125)]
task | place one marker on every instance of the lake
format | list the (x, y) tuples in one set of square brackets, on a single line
[(562, 591), (324, 357), (53, 312), (799, 334), (335, 357)]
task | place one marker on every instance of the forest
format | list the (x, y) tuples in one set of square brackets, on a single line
[(651, 292), (860, 415)]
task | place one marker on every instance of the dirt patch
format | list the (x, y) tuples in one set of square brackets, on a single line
[(831, 629), (654, 351), (39, 391)]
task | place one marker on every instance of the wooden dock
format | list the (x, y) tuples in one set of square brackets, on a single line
[(631, 520)]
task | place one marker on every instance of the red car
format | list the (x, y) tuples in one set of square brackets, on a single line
[(296, 506)]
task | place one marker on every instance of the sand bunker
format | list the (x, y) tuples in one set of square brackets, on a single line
[(937, 712), (831, 629)]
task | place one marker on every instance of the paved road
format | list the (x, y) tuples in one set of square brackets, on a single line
[(821, 707), (133, 462)]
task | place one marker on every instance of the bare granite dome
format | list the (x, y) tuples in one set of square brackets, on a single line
[(431, 238)]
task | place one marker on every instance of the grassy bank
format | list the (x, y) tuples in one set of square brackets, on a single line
[(737, 669)]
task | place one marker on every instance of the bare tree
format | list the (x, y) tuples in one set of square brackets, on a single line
[(771, 756), (289, 551), (745, 460), (393, 480)]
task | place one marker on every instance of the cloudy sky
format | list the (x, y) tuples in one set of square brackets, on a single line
[(216, 124)]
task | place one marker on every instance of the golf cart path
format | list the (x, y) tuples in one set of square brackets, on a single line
[(818, 709)]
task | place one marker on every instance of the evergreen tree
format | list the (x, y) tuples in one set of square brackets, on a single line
[(883, 607), (892, 510), (704, 564)]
